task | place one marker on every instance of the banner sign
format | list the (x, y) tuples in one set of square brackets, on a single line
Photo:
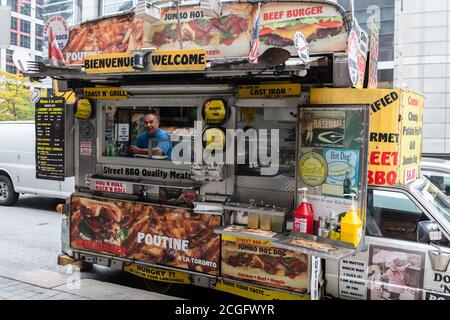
[(109, 63), (60, 29), (269, 91), (112, 93), (159, 235), (395, 130), (178, 60), (50, 138), (373, 57), (255, 293), (243, 259), (228, 35), (158, 274)]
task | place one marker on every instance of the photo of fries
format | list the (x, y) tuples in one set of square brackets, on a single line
[(168, 236), (118, 34)]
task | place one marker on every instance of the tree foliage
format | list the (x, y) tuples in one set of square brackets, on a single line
[(14, 97)]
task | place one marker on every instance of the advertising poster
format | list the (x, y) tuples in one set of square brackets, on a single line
[(411, 128), (342, 178), (160, 235), (321, 24), (373, 57), (395, 139), (332, 172), (352, 279), (323, 129), (226, 36), (116, 34), (395, 274), (50, 138), (264, 265)]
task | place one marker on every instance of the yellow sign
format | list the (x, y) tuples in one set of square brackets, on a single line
[(68, 95), (158, 274), (105, 93), (109, 63), (269, 91), (256, 293), (214, 112), (246, 240), (395, 139), (178, 60), (83, 109), (312, 169), (214, 139)]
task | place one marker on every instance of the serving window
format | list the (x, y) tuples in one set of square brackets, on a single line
[(147, 132), (280, 125)]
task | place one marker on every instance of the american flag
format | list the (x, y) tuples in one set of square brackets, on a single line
[(54, 52), (253, 56)]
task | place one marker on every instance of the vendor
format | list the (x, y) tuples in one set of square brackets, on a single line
[(161, 145)]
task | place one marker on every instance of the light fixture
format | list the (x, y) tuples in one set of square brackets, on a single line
[(141, 58), (148, 11), (212, 8)]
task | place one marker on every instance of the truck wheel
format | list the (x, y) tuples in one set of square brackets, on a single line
[(163, 287), (8, 196)]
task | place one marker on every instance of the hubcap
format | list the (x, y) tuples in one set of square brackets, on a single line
[(3, 191)]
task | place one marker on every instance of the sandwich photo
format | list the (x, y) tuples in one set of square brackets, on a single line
[(321, 33), (288, 271), (202, 32)]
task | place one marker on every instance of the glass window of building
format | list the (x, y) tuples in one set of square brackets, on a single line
[(383, 12), (13, 23), (25, 26), (39, 13), (25, 41), (13, 4), (11, 69), (39, 45), (40, 2), (116, 6), (63, 8), (39, 30), (9, 54), (25, 8), (13, 38)]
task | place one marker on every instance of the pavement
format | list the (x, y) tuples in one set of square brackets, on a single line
[(85, 289)]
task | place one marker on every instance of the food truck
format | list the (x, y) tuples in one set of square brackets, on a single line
[(200, 163)]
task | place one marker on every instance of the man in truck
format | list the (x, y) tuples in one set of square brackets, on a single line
[(161, 146)]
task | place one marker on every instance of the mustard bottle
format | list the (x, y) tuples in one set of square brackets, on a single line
[(351, 224)]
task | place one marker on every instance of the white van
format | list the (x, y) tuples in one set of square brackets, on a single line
[(18, 166)]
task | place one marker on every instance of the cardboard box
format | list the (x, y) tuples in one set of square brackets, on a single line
[(396, 122)]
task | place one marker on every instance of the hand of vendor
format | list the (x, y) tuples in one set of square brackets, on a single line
[(136, 150)]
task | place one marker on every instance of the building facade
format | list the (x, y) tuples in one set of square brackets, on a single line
[(27, 32), (422, 62)]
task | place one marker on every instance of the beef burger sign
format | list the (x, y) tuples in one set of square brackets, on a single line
[(60, 29)]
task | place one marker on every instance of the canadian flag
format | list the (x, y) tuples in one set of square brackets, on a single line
[(54, 52)]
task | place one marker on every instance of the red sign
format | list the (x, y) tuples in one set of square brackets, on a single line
[(111, 186)]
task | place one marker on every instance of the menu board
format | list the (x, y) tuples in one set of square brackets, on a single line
[(50, 138)]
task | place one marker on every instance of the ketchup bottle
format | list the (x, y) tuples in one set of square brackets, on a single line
[(304, 215)]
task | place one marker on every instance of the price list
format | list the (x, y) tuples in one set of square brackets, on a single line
[(50, 138)]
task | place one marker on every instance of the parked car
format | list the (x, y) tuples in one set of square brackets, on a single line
[(406, 249), (18, 166), (438, 171)]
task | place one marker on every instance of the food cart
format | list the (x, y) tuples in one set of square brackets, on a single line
[(210, 200)]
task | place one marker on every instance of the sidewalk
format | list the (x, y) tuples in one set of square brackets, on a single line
[(17, 290), (86, 289)]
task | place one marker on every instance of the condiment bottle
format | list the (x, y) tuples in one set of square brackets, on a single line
[(304, 215), (351, 224), (335, 229)]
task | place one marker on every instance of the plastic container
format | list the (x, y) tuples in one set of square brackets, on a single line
[(253, 220), (351, 225), (265, 222), (304, 216)]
